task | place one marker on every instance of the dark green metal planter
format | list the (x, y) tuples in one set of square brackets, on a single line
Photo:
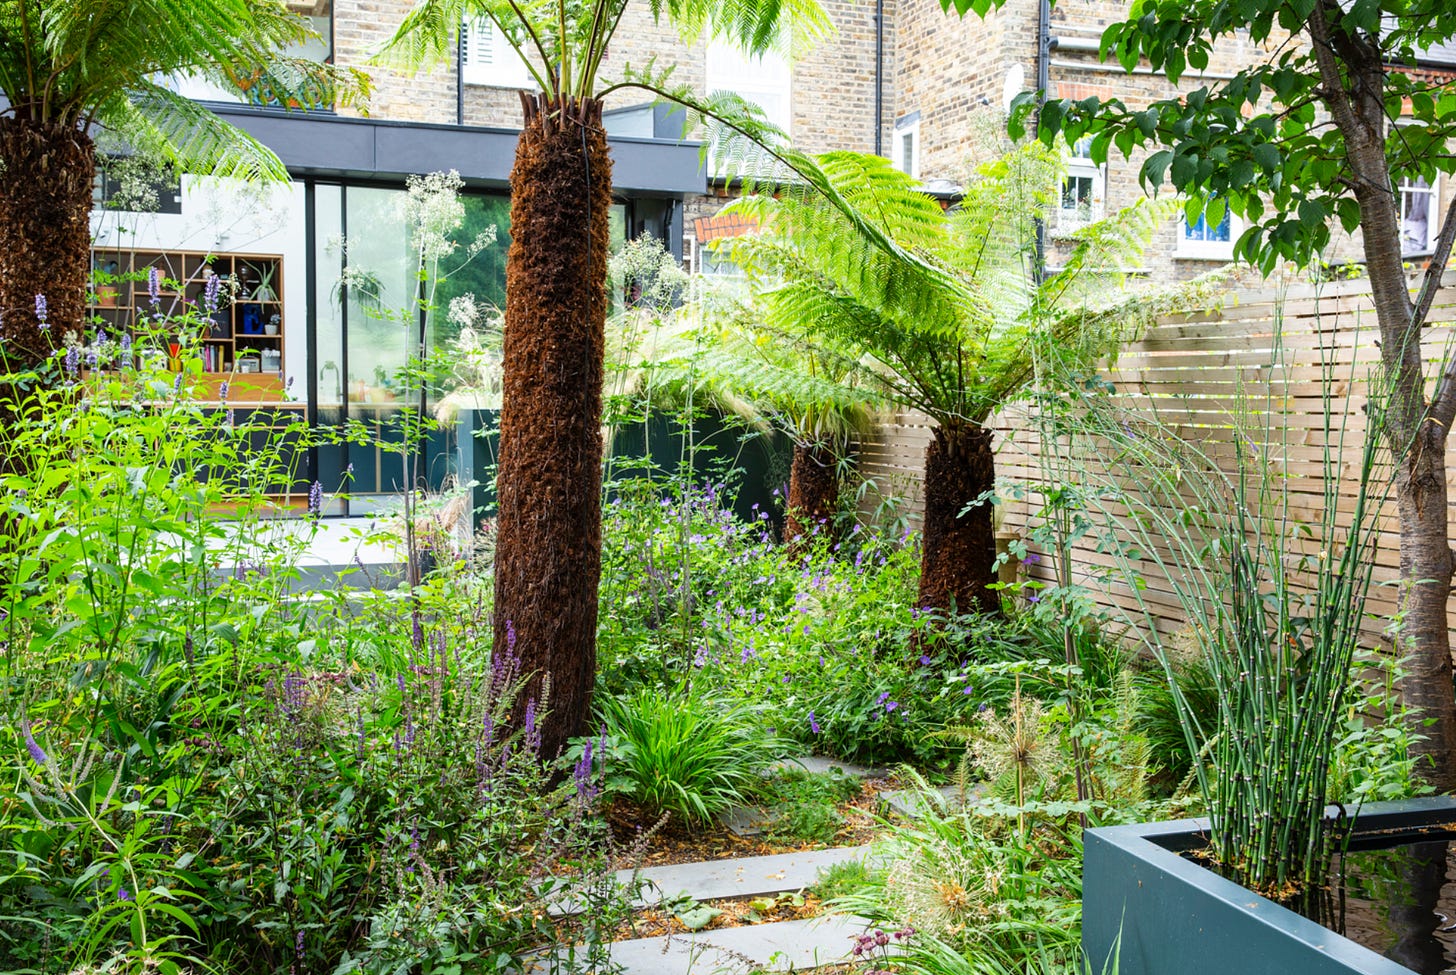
[(1163, 914)]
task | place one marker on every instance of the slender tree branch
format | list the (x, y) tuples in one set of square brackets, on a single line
[(1443, 406)]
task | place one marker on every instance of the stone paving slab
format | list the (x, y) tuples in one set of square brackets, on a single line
[(746, 820), (780, 946), (821, 765), (911, 803), (745, 877), (750, 820)]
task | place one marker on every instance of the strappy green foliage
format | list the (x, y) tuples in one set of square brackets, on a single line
[(79, 62), (943, 308)]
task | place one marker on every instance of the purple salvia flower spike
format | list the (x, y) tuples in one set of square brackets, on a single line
[(37, 754)]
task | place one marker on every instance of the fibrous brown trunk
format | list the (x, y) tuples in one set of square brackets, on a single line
[(813, 493), (1352, 69), (548, 544), (959, 549), (45, 233)]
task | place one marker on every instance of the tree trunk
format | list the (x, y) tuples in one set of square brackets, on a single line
[(959, 550), (813, 493), (548, 544), (45, 234), (1417, 440), (1422, 637)]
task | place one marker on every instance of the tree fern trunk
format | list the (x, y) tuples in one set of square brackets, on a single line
[(959, 550), (45, 233), (548, 546), (813, 493)]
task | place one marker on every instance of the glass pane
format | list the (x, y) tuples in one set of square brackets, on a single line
[(1077, 193), (1415, 216), (333, 458), (617, 226), (481, 277), (329, 324), (380, 285)]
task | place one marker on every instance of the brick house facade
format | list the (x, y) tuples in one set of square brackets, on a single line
[(898, 77)]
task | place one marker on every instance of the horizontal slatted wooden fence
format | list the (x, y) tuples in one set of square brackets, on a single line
[(1191, 373)]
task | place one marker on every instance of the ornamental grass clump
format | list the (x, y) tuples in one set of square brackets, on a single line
[(1275, 605), (687, 755)]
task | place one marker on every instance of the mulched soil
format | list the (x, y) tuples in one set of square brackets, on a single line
[(672, 842), (653, 923)]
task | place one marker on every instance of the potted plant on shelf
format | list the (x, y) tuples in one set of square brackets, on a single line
[(263, 291), (104, 281)]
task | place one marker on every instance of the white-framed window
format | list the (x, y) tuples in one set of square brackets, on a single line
[(1200, 241), (487, 59), (905, 151), (1084, 189), (764, 81), (1419, 216)]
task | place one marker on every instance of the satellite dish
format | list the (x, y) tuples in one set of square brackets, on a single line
[(1013, 85)]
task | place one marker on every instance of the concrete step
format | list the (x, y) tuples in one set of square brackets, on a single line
[(744, 877), (822, 766), (912, 803), (780, 946)]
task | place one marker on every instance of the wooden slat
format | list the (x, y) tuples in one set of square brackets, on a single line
[(1193, 373)]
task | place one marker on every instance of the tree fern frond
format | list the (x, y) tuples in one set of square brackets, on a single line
[(188, 137), (754, 26), (430, 34)]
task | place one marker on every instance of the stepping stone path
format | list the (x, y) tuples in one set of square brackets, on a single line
[(911, 803), (820, 765), (779, 946)]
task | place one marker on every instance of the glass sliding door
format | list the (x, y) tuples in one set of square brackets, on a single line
[(367, 329)]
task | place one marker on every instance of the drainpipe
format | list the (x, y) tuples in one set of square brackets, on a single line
[(1045, 42), (460, 76), (880, 77)]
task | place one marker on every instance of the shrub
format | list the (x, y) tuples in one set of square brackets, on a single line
[(213, 775), (976, 885)]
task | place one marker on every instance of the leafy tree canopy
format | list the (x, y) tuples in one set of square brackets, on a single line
[(1267, 143)]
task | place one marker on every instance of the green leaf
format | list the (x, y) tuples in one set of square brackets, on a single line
[(699, 917), (1266, 156), (1311, 214), (1155, 167)]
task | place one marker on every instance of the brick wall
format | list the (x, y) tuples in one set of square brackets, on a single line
[(951, 70), (834, 84), (361, 27)]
